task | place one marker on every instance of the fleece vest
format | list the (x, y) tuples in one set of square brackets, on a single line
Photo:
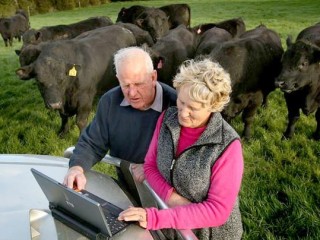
[(190, 172)]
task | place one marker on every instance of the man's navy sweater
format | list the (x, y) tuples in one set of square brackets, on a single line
[(122, 130)]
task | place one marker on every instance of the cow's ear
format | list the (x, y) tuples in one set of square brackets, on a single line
[(17, 52), (37, 35), (123, 11), (159, 62), (26, 72), (289, 41)]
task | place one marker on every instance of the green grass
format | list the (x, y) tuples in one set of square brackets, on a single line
[(280, 195)]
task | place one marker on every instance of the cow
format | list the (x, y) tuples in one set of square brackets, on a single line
[(30, 52), (129, 15), (69, 31), (211, 39), (141, 35), (234, 26), (253, 62), (70, 73), (177, 14), (14, 27), (300, 78), (171, 50), (155, 21)]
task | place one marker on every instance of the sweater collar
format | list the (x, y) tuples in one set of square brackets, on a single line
[(211, 135), (157, 103)]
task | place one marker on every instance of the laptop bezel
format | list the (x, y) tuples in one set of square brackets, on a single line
[(74, 202)]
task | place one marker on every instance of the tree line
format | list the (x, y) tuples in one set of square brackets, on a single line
[(8, 7)]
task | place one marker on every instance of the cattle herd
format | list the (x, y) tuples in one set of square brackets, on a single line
[(73, 63)]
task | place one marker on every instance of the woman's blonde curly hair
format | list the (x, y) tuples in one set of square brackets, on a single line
[(210, 83)]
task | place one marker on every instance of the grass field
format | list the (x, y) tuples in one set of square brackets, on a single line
[(280, 195)]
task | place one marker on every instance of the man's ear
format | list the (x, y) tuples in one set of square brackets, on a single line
[(154, 75)]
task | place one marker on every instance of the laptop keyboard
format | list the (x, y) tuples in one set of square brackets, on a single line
[(111, 212), (114, 224)]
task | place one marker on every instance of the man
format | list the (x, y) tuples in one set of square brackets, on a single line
[(125, 119)]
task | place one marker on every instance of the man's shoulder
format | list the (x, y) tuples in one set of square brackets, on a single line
[(113, 93), (168, 91), (167, 87)]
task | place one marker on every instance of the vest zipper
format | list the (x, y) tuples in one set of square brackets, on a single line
[(173, 163)]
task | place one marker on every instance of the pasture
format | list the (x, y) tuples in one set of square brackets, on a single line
[(280, 195)]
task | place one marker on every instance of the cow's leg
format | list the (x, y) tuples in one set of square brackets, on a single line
[(293, 116), (10, 41), (247, 118), (64, 129), (5, 42), (81, 120), (249, 112), (316, 134)]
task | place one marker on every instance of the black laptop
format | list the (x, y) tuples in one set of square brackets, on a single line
[(83, 211)]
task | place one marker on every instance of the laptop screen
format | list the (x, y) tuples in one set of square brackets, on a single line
[(70, 201)]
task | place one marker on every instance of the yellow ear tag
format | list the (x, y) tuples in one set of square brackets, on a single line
[(73, 72)]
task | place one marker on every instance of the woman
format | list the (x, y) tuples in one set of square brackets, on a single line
[(195, 161)]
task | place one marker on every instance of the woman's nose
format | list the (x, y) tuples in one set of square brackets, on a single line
[(184, 112)]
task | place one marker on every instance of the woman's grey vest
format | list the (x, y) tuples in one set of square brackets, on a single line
[(191, 171)]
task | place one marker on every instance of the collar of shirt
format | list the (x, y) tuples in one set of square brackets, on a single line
[(157, 103)]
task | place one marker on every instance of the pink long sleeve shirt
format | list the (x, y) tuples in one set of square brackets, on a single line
[(226, 176)]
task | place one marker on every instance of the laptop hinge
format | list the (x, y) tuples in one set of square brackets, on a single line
[(76, 224)]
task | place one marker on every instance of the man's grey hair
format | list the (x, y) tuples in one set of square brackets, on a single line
[(131, 53)]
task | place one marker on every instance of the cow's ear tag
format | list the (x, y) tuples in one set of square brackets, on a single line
[(73, 71)]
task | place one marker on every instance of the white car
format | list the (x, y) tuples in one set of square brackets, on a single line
[(24, 209)]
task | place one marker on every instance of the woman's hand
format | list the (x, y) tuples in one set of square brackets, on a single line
[(137, 172), (177, 200), (134, 214)]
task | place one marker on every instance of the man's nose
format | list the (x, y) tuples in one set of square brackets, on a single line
[(132, 91)]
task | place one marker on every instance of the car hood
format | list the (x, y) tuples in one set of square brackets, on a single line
[(24, 209)]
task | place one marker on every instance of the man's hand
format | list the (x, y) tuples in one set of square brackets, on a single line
[(137, 172), (75, 178)]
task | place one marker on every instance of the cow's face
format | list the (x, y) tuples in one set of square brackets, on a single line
[(300, 67), (235, 106), (240, 101), (53, 79), (155, 22)]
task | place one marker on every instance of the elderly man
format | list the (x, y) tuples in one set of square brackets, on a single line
[(125, 119)]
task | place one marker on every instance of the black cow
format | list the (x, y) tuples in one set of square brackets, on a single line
[(14, 27), (30, 52), (129, 15), (253, 62), (142, 36), (235, 27), (69, 31), (171, 50), (300, 78), (155, 21), (177, 14), (211, 39), (69, 73)]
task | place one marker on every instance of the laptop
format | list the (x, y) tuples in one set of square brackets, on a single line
[(83, 211)]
